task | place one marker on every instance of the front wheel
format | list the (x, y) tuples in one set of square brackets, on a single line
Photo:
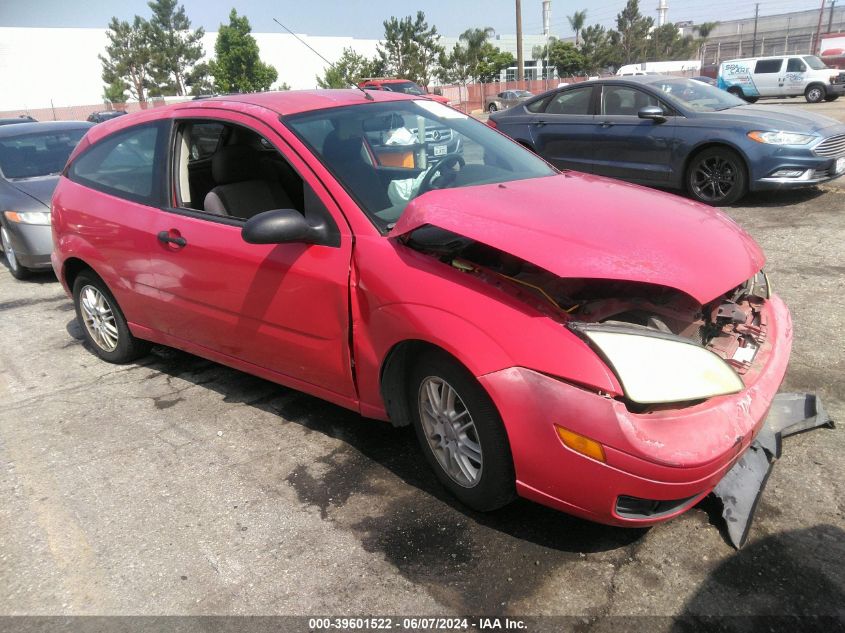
[(103, 323), (815, 93), (461, 433), (492, 107), (18, 271), (716, 176)]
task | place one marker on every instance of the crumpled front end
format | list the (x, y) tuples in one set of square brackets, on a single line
[(657, 461)]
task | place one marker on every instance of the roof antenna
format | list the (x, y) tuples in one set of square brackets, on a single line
[(367, 95)]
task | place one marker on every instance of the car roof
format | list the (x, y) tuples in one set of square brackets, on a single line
[(41, 126)]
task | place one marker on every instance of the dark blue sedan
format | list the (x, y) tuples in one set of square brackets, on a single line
[(677, 133)]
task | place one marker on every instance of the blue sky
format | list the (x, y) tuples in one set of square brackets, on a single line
[(364, 19)]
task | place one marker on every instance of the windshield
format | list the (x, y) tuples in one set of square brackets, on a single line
[(814, 62), (38, 154), (406, 87), (387, 154), (696, 95)]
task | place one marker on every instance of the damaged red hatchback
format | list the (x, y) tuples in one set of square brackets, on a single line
[(597, 347)]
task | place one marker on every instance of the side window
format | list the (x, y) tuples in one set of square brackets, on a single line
[(122, 164), (245, 176), (624, 101), (768, 66), (537, 106), (795, 65), (574, 101)]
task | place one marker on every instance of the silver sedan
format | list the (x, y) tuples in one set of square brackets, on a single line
[(32, 155)]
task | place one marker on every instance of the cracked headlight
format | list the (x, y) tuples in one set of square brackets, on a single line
[(781, 138), (656, 368)]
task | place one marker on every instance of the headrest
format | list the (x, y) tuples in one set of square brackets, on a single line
[(235, 163)]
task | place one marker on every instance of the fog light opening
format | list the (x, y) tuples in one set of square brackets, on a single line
[(581, 444), (794, 174)]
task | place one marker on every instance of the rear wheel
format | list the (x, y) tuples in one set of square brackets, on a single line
[(461, 433), (716, 176), (815, 93), (18, 271), (103, 323)]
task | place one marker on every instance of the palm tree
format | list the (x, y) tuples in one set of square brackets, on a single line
[(704, 29), (577, 21), (542, 52)]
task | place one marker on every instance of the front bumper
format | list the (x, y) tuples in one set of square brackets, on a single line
[(673, 455), (33, 244)]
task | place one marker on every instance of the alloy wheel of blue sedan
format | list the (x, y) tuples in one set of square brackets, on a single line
[(716, 176)]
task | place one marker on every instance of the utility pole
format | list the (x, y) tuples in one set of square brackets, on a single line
[(817, 39), (754, 41), (830, 19), (520, 62)]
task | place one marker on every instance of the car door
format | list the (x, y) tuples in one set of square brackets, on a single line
[(280, 307), (563, 131), (116, 192), (795, 77), (768, 77), (626, 146)]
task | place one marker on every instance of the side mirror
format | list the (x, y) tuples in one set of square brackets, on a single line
[(281, 226), (655, 113)]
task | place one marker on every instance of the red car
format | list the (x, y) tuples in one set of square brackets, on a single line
[(598, 347), (402, 86)]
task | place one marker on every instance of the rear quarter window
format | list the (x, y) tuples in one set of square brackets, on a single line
[(125, 164)]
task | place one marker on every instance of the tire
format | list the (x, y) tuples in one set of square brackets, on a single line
[(725, 166), (751, 99), (491, 485), (831, 97), (815, 93), (492, 108), (737, 92), (102, 321), (18, 272)]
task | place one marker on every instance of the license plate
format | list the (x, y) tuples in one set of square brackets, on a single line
[(441, 150), (840, 165)]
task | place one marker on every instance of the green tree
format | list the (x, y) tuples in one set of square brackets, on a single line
[(237, 66), (128, 59), (348, 70), (596, 48), (410, 49), (491, 62), (566, 59), (704, 30), (577, 21), (542, 53), (474, 58), (667, 43), (115, 93), (175, 47), (199, 80), (632, 30)]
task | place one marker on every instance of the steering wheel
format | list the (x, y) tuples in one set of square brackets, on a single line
[(446, 161)]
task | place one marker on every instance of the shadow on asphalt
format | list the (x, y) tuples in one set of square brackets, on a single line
[(777, 581)]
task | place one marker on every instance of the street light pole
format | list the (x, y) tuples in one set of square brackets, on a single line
[(520, 62)]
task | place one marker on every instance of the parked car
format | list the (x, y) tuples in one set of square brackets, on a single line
[(105, 115), (678, 134), (781, 76), (31, 157), (506, 99), (402, 86), (597, 347), (24, 118)]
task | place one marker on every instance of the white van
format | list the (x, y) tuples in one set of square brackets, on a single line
[(781, 76)]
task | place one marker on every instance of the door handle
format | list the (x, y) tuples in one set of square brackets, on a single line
[(539, 123), (165, 238), (607, 124)]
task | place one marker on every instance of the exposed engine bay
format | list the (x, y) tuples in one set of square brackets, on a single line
[(732, 325)]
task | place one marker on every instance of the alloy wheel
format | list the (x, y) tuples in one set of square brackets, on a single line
[(98, 316), (714, 178), (8, 249), (450, 431), (814, 95)]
